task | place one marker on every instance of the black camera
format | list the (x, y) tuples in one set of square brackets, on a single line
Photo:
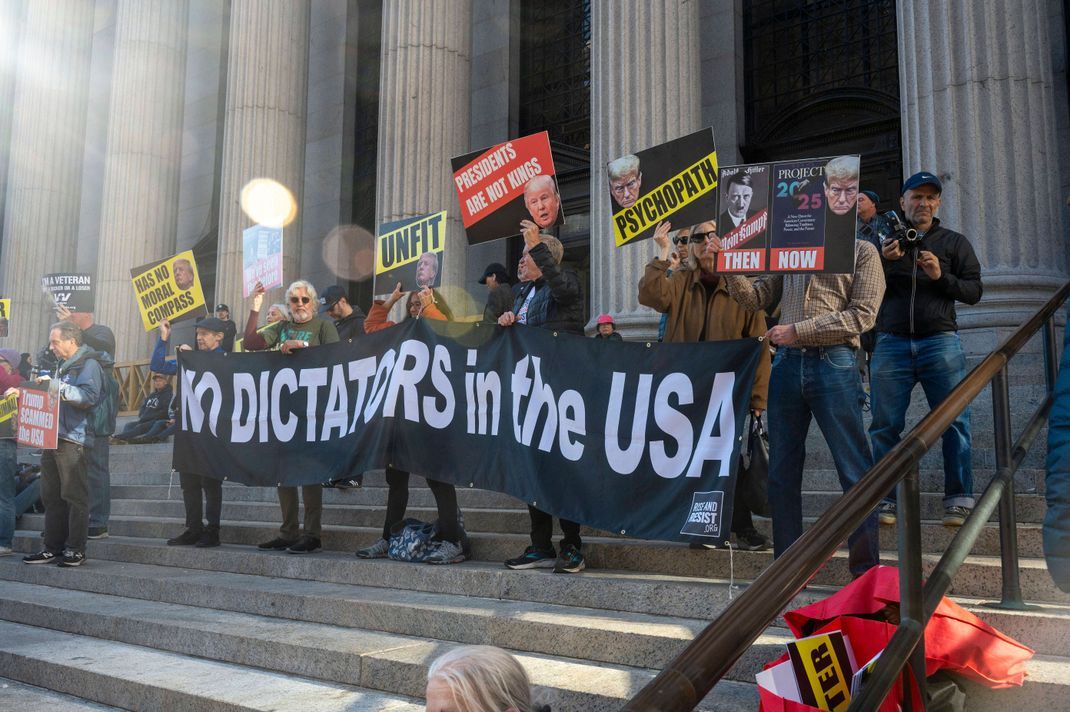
[(907, 237)]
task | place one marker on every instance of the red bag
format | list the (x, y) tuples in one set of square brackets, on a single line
[(955, 639)]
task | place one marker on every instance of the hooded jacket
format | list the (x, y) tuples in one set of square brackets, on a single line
[(81, 382)]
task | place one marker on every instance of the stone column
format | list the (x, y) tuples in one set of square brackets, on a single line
[(141, 167), (645, 90), (264, 131), (985, 123), (10, 20), (424, 117)]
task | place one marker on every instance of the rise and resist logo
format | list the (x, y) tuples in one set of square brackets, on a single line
[(705, 517)]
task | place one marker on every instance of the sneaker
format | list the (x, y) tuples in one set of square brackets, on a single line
[(41, 557), (533, 558), (377, 550), (6, 551), (208, 539), (72, 559), (956, 516), (700, 545), (886, 513), (186, 538), (98, 532), (305, 545), (345, 483), (570, 561), (277, 544), (446, 552), (752, 540)]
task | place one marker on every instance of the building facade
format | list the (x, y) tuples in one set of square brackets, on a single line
[(129, 127)]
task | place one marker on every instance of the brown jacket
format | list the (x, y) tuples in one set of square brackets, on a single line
[(691, 312)]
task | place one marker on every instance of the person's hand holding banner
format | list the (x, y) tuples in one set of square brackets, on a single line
[(258, 297), (394, 297), (291, 345), (661, 239), (531, 233), (507, 319), (13, 391), (165, 330), (62, 312)]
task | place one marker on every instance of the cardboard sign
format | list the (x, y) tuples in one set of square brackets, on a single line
[(5, 317), (823, 666), (9, 408), (168, 289), (675, 181), (70, 289), (410, 251), (261, 257), (504, 184), (38, 424), (789, 216)]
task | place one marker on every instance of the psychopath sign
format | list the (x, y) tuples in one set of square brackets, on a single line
[(168, 289), (410, 251), (500, 186), (73, 290), (675, 181)]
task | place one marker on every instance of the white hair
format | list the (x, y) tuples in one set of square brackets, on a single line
[(305, 285), (620, 167), (482, 677)]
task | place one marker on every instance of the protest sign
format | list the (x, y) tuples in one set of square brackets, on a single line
[(5, 317), (675, 181), (789, 216), (38, 424), (410, 251), (584, 428), (261, 257), (504, 184), (168, 289), (9, 407), (70, 289), (823, 665)]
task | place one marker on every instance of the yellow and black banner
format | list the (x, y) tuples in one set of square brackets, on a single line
[(168, 289), (410, 251), (823, 669), (5, 317), (9, 408)]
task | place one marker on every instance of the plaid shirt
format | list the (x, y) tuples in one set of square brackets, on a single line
[(826, 309)]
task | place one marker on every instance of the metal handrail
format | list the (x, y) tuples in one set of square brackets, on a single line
[(694, 672)]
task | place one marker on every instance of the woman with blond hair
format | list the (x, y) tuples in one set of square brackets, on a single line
[(479, 678)]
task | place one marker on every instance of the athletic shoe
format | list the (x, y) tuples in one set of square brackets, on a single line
[(533, 558), (345, 483), (277, 544), (446, 552), (700, 545), (72, 559), (377, 550), (186, 538), (305, 545), (886, 513), (208, 539), (752, 540), (6, 551), (41, 557), (570, 561), (98, 532), (956, 516)]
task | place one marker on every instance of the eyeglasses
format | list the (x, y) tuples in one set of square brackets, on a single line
[(680, 240), (701, 236), (300, 300)]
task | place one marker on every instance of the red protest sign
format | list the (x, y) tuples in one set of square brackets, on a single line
[(39, 415)]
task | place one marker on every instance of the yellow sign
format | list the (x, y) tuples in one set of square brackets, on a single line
[(404, 242), (822, 667), (5, 316), (9, 406), (687, 186), (168, 289)]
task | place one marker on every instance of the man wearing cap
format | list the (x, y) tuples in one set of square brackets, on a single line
[(918, 341), (348, 319), (606, 329), (499, 291), (222, 312), (200, 494)]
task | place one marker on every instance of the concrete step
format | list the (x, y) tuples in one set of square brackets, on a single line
[(140, 678), (29, 698)]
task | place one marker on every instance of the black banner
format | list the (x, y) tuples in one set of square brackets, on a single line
[(634, 438)]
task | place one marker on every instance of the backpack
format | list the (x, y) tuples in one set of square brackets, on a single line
[(102, 417)]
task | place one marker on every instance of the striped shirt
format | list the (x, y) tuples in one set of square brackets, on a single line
[(826, 309)]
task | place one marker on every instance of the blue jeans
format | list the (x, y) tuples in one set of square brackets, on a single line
[(822, 384), (96, 461), (8, 467), (938, 363), (29, 496), (1057, 482)]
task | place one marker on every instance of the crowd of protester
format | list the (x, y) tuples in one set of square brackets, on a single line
[(895, 312)]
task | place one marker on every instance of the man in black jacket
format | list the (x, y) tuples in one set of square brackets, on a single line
[(153, 410), (917, 338), (550, 298)]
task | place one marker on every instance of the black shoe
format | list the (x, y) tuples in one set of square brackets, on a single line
[(752, 540), (345, 483), (98, 532), (277, 544), (305, 545), (570, 561), (71, 559), (533, 558), (209, 538), (186, 538), (41, 557)]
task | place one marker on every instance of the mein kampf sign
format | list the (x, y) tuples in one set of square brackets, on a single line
[(586, 429), (38, 416), (261, 257), (411, 252), (675, 181), (504, 184), (789, 216), (168, 289)]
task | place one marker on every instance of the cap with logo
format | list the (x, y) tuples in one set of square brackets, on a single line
[(330, 297), (919, 179), (222, 307)]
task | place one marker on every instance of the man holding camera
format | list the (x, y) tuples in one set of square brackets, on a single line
[(927, 269)]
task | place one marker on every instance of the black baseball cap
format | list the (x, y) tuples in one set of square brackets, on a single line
[(498, 270), (222, 307), (919, 179), (330, 297), (212, 323), (872, 195)]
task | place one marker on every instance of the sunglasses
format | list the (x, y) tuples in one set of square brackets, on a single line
[(701, 236), (300, 300), (679, 240)]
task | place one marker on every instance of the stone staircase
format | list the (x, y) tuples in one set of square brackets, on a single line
[(150, 627)]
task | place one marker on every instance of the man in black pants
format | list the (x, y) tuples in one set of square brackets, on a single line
[(551, 298), (210, 333)]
